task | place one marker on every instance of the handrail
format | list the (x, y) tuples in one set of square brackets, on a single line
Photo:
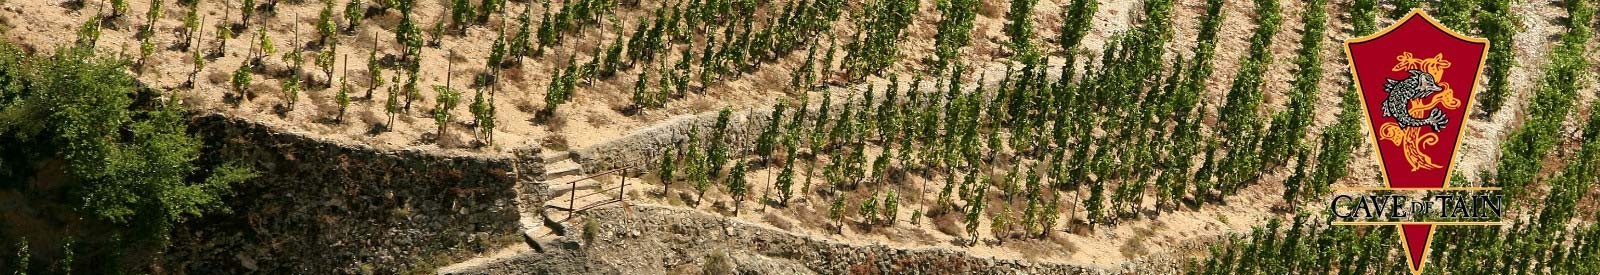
[(572, 202)]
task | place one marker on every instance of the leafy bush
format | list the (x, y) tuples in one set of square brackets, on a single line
[(128, 159)]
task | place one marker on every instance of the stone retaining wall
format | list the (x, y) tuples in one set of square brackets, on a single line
[(655, 240), (322, 207), (645, 145)]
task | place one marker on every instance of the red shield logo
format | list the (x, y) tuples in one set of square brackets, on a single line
[(1416, 80)]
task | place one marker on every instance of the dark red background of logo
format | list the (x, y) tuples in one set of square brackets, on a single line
[(1374, 60)]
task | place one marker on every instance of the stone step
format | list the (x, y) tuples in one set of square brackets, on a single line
[(561, 188), (554, 157), (468, 266), (540, 234), (539, 238), (562, 169), (583, 199)]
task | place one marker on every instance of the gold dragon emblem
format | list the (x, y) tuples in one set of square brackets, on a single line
[(1411, 138)]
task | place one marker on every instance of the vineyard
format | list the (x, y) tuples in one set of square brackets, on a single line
[(1202, 134)]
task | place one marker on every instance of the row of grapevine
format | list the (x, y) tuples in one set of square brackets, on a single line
[(1544, 239), (1523, 153), (1289, 126), (1241, 128), (1543, 242), (954, 30), (1499, 24), (1192, 85), (1019, 147), (879, 33)]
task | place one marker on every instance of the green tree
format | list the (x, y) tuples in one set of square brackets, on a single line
[(694, 163), (1522, 155), (391, 104), (266, 45), (1290, 125), (1297, 183), (666, 169), (224, 33), (480, 114), (199, 61), (497, 55), (556, 93), (20, 263), (547, 31), (641, 96), (876, 47), (520, 42), (191, 27), (291, 92), (325, 59), (1401, 7), (128, 157), (147, 47), (1363, 17), (89, 33)]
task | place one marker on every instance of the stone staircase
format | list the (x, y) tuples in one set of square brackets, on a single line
[(565, 186), (570, 189)]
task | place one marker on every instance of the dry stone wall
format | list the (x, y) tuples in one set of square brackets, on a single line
[(322, 207), (663, 240), (644, 146)]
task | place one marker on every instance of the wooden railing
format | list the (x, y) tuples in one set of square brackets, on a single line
[(572, 200)]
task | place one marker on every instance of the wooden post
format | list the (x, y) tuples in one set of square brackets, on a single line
[(572, 204)]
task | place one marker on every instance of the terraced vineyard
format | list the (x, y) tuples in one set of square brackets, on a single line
[(1024, 136)]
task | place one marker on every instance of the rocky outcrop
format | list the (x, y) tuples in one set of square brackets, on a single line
[(322, 207), (647, 239)]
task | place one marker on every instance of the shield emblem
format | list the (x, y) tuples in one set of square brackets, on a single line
[(1416, 80)]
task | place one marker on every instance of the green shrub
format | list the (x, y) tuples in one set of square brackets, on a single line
[(127, 156)]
